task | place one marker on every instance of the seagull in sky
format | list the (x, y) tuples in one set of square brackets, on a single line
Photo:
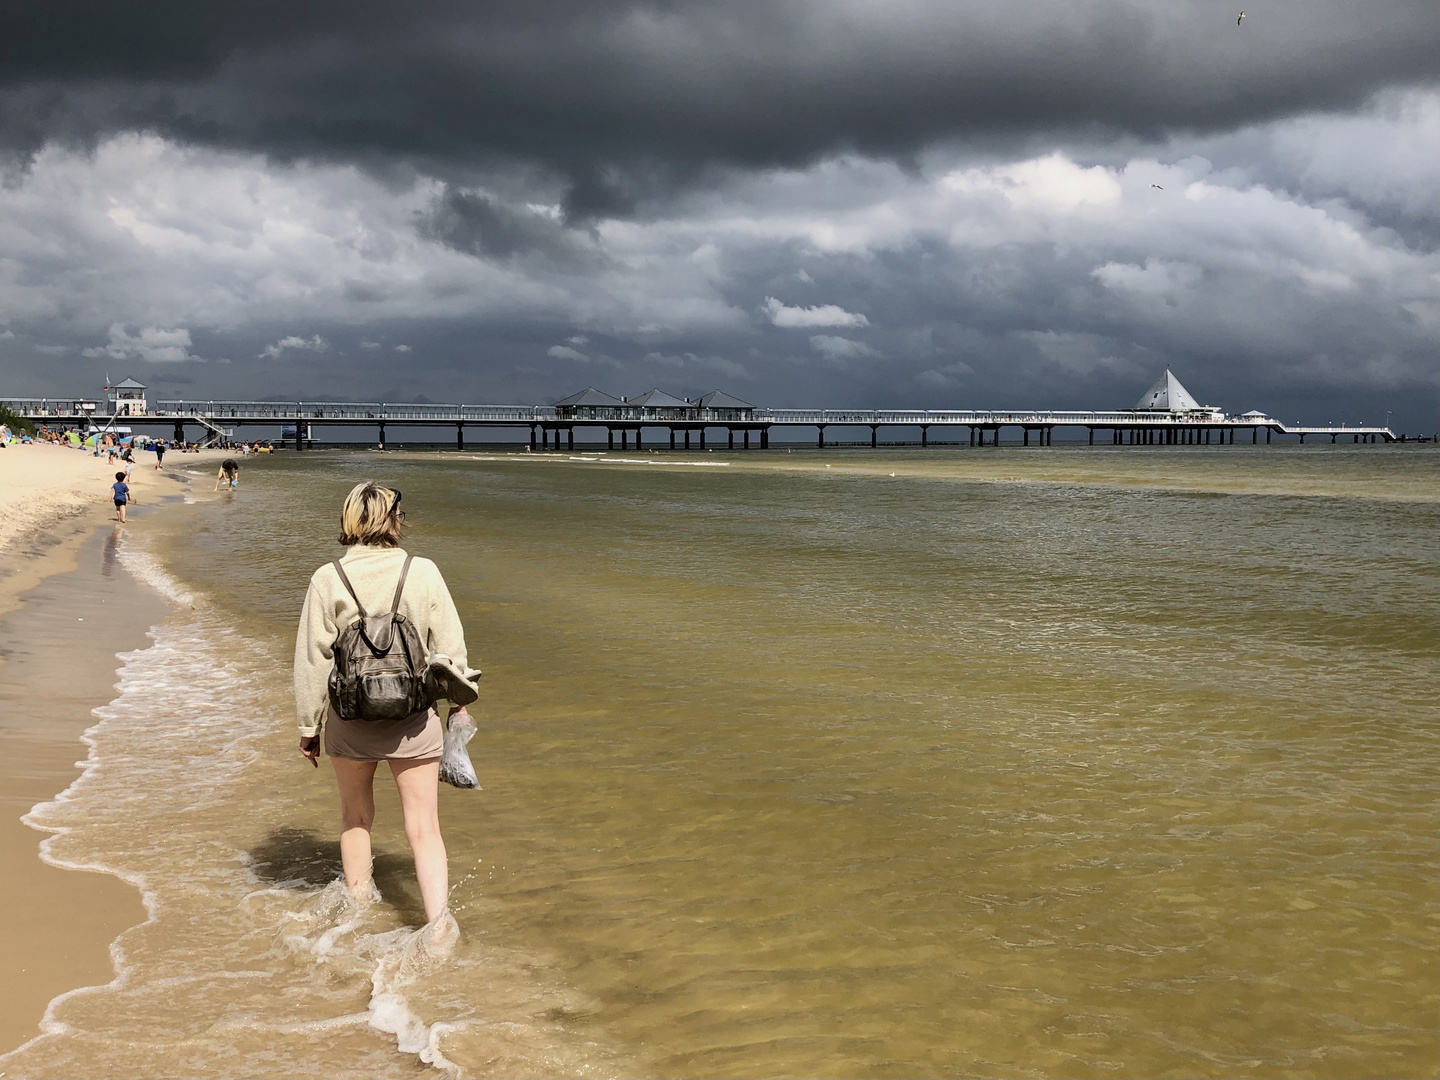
[(1157, 187), (1237, 21)]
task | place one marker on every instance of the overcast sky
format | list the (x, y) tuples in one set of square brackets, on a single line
[(805, 203)]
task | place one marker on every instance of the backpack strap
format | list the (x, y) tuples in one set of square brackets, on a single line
[(351, 588), (399, 587)]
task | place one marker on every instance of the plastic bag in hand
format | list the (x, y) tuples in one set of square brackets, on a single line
[(455, 767)]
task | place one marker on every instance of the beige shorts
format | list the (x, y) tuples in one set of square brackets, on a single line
[(415, 738)]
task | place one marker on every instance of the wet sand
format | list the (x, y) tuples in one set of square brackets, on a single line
[(59, 663), (67, 607)]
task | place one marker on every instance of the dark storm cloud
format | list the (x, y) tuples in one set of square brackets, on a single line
[(624, 100), (479, 225)]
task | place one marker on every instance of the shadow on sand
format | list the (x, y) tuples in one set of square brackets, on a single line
[(302, 858)]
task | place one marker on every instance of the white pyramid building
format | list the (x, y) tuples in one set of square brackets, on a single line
[(1167, 394)]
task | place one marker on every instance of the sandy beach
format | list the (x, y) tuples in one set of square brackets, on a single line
[(66, 608)]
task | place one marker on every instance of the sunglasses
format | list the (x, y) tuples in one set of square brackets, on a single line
[(395, 507)]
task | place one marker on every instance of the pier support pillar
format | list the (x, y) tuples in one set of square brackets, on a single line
[(874, 435), (924, 434), (729, 438), (687, 438), (179, 433), (459, 436), (610, 438), (570, 438), (382, 434), (702, 438), (820, 436), (299, 436), (746, 433), (672, 438), (764, 438)]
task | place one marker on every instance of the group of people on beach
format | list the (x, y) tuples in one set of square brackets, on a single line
[(229, 475)]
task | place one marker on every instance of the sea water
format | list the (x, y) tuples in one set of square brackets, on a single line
[(1067, 761)]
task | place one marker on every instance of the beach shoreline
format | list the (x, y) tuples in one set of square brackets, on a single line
[(67, 608)]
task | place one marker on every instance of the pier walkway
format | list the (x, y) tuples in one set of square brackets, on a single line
[(549, 426)]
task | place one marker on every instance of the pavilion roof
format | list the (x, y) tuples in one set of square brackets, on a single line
[(590, 396), (1167, 394), (718, 399), (659, 399)]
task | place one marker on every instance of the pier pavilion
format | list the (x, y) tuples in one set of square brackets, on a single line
[(1167, 414)]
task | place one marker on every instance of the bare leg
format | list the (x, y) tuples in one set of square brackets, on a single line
[(418, 783), (357, 814)]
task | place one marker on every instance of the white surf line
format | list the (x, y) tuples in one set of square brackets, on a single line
[(588, 459), (654, 461)]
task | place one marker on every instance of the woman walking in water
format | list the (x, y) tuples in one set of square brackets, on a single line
[(376, 572)]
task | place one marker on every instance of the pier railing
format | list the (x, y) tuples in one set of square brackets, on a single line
[(211, 413), (360, 411)]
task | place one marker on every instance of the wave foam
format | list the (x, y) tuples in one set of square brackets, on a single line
[(246, 964)]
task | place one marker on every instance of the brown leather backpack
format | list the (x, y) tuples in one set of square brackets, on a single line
[(379, 669)]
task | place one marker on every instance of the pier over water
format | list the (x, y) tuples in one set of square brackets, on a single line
[(1167, 415)]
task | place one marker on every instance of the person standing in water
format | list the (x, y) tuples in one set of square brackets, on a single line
[(120, 491), (370, 524), (229, 474)]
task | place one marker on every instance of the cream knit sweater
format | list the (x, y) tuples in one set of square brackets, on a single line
[(328, 609)]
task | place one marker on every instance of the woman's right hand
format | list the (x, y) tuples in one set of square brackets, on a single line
[(310, 748)]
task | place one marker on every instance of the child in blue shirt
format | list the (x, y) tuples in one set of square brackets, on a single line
[(121, 491)]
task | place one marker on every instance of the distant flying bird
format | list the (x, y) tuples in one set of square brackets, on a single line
[(1157, 187), (1237, 21)]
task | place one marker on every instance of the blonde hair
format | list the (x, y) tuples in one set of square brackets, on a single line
[(369, 516)]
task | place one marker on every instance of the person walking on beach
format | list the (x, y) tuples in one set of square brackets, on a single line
[(159, 447), (376, 572), (120, 491), (229, 474)]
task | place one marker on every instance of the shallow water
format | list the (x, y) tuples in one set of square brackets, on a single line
[(1081, 762)]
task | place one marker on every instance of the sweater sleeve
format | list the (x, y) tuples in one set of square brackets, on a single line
[(314, 658), (444, 633)]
